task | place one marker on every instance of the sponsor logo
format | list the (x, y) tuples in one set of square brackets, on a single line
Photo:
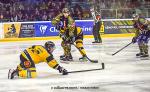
[(86, 29), (53, 29), (43, 28), (118, 27)]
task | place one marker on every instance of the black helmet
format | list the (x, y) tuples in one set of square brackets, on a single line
[(50, 46)]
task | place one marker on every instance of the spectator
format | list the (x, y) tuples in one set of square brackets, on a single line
[(14, 17), (102, 5), (37, 16), (26, 17), (20, 16), (78, 13), (1, 17), (33, 9), (44, 17)]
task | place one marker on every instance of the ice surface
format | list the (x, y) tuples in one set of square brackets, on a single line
[(123, 73)]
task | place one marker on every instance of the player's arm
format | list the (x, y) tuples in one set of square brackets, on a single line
[(71, 21), (71, 26), (137, 33), (144, 23), (54, 64), (56, 20), (49, 59)]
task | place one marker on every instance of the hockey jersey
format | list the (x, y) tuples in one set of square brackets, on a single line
[(38, 54), (140, 25)]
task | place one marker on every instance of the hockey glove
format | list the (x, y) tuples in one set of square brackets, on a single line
[(59, 25), (72, 40), (62, 70), (134, 40), (144, 32), (63, 36)]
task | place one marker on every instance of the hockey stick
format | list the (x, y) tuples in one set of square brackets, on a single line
[(93, 61), (121, 49), (103, 67)]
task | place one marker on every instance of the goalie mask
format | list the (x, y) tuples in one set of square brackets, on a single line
[(50, 46)]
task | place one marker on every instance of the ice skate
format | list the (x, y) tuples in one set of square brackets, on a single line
[(139, 54), (12, 74), (83, 59)]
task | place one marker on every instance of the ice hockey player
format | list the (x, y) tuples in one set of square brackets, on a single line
[(70, 34), (96, 26), (77, 38), (34, 55), (142, 35), (65, 24)]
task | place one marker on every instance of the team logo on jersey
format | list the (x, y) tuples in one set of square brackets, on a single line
[(43, 28), (27, 64)]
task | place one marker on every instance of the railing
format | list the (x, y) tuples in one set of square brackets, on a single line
[(123, 13)]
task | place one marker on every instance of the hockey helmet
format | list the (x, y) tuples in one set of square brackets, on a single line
[(50, 46), (65, 10), (98, 17), (135, 16)]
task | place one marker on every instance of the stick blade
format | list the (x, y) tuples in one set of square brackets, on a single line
[(103, 66), (94, 61)]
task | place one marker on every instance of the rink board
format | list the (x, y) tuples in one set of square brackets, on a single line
[(44, 30), (58, 38)]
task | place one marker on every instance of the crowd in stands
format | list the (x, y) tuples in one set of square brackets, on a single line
[(45, 10), (30, 10), (122, 8)]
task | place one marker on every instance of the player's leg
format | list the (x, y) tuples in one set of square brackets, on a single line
[(94, 34), (99, 38), (140, 49), (67, 51), (140, 45), (26, 69), (26, 72), (79, 45), (63, 46), (145, 46)]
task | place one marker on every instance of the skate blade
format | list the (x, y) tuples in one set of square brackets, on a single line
[(65, 62), (145, 58), (9, 73), (74, 62), (96, 43)]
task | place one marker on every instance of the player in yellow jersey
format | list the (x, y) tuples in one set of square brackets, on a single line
[(66, 25), (77, 38), (69, 34), (34, 55)]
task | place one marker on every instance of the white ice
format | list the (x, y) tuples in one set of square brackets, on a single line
[(123, 72)]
